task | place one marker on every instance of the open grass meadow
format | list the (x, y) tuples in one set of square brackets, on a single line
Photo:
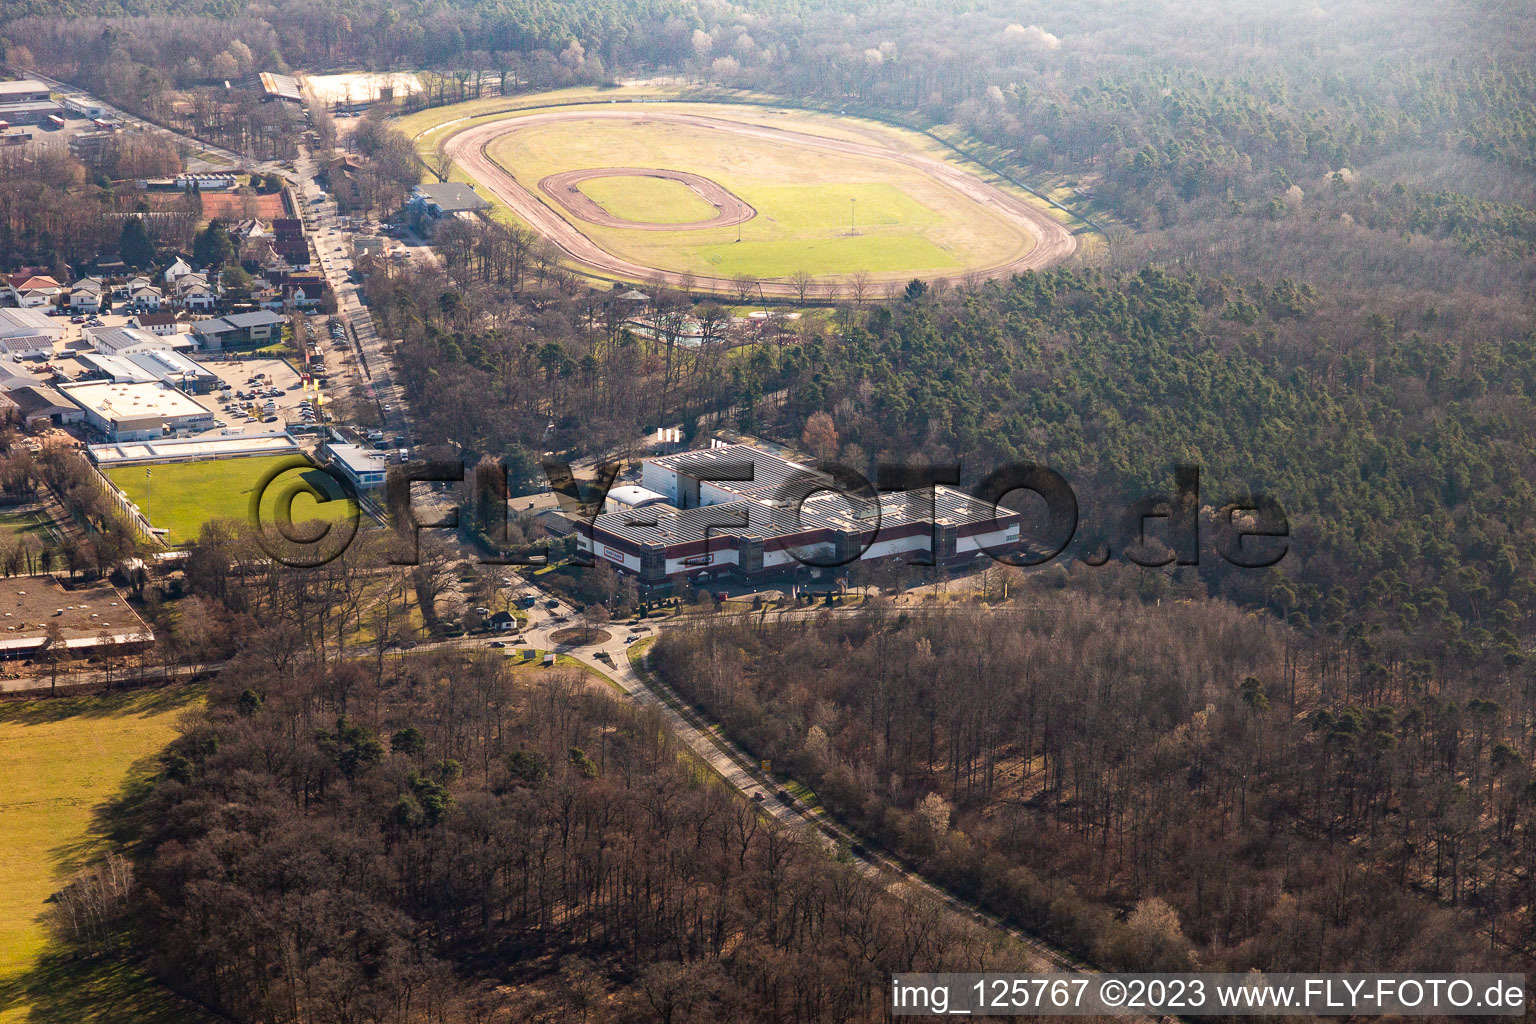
[(654, 200), (817, 211), (180, 497), (61, 760)]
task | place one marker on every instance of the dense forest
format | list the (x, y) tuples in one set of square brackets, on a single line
[(453, 841), (1398, 438), (1066, 756)]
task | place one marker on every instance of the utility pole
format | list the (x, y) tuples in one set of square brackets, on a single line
[(146, 496), (853, 205)]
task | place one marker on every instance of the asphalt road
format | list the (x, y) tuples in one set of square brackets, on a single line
[(1053, 242)]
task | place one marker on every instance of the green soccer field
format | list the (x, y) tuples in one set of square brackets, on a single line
[(180, 497)]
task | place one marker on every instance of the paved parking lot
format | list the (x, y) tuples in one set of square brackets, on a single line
[(238, 372)]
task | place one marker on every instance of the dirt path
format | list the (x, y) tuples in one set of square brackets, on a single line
[(562, 188), (1053, 242)]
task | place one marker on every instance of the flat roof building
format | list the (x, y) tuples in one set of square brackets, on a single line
[(770, 515), (137, 412), (171, 367), (84, 617), (189, 449), (239, 329), (23, 90), (30, 111), (113, 368), (363, 466)]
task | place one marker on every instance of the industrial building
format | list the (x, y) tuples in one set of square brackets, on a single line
[(39, 407), (137, 411), (30, 323), (25, 90), (27, 102), (151, 366), (117, 341), (756, 524), (37, 112)]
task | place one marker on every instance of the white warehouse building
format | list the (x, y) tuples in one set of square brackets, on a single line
[(137, 411)]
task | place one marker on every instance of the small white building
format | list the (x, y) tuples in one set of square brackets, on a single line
[(365, 467), (177, 270)]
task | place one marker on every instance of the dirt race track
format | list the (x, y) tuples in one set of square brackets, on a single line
[(562, 188), (467, 148)]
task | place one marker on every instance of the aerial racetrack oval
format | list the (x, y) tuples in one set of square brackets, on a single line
[(705, 198)]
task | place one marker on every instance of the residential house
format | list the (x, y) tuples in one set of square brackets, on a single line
[(304, 290), (29, 290), (159, 324), (193, 291), (85, 295), (267, 295), (144, 298), (341, 177), (177, 270), (290, 242)]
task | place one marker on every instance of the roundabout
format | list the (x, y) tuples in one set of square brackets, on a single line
[(694, 196), (581, 636)]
